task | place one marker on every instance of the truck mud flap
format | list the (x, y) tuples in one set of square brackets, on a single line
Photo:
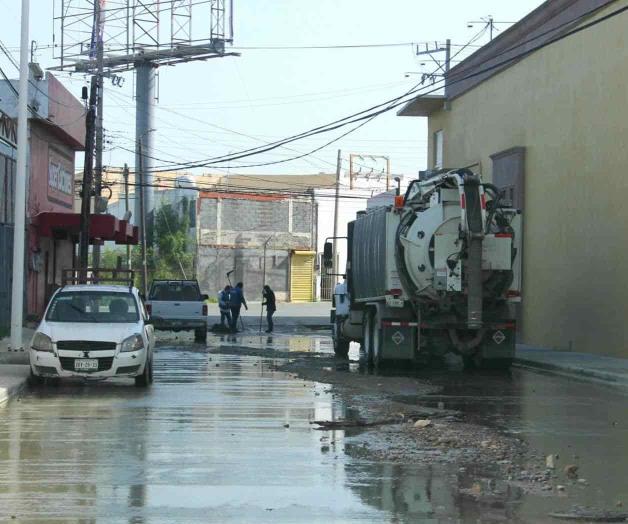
[(398, 340), (498, 343)]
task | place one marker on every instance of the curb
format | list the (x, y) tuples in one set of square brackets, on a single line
[(15, 387), (592, 375)]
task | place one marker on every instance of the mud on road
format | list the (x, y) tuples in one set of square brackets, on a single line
[(395, 415)]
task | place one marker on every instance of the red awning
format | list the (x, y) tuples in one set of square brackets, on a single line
[(101, 227)]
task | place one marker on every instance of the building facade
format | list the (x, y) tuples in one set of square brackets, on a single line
[(56, 131), (545, 121), (260, 237)]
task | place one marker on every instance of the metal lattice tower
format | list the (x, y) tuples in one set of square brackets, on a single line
[(133, 32)]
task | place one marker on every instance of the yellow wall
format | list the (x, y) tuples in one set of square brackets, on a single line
[(568, 106)]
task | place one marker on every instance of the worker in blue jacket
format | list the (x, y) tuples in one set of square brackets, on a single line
[(236, 301)]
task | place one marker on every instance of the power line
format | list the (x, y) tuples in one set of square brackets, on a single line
[(396, 102), (326, 128)]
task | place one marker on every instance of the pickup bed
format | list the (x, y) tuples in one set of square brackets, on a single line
[(178, 305)]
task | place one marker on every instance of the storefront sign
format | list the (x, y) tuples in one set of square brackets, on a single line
[(60, 179)]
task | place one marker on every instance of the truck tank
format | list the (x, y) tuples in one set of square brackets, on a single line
[(440, 267)]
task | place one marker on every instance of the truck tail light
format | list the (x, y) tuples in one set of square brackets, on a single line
[(149, 309), (204, 310)]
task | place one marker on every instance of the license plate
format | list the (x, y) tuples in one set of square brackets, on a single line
[(85, 364)]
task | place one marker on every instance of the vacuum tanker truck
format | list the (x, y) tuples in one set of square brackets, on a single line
[(438, 271)]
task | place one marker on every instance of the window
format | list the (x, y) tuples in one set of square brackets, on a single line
[(438, 149), (175, 291), (101, 307)]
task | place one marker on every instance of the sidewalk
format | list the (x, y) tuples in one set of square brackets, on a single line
[(598, 368), (14, 369), (13, 378)]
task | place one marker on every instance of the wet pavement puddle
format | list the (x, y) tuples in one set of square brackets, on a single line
[(217, 438), (222, 437)]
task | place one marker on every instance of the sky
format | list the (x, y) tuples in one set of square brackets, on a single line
[(230, 104)]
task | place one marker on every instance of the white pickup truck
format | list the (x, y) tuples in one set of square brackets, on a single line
[(178, 305)]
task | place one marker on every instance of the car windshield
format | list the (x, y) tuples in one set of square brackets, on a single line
[(102, 307), (175, 291)]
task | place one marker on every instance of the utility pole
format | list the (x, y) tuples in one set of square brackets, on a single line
[(125, 173), (140, 186), (447, 104), (145, 132), (17, 290), (86, 192), (261, 313), (335, 251), (98, 28)]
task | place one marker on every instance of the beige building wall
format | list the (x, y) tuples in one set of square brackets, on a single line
[(567, 105)]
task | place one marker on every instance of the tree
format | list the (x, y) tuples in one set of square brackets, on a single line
[(170, 257)]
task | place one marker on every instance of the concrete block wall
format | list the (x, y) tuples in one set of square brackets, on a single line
[(248, 263), (232, 230)]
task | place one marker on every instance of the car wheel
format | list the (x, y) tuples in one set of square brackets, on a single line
[(150, 370), (35, 380), (143, 380)]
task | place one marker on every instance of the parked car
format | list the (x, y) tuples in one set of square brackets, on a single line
[(94, 331), (178, 305)]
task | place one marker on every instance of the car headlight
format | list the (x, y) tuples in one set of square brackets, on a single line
[(133, 343), (41, 342)]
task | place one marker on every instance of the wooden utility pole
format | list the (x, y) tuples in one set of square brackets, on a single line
[(86, 192)]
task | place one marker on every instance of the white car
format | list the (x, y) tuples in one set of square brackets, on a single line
[(96, 332)]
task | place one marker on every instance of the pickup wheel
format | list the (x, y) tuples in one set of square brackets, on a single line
[(200, 335), (144, 380)]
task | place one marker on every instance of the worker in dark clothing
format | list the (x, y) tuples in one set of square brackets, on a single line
[(271, 307), (236, 301), (223, 305)]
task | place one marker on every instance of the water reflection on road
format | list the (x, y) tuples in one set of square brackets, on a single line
[(228, 438), (217, 438)]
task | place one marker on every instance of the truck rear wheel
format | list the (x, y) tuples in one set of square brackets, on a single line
[(367, 337), (341, 347), (377, 343)]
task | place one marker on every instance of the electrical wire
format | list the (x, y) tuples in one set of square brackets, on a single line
[(398, 101), (329, 127)]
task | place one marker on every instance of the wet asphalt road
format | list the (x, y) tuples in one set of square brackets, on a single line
[(208, 443)]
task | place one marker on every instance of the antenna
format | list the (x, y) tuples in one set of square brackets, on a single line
[(489, 23)]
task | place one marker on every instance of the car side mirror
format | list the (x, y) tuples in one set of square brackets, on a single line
[(149, 322), (328, 255), (204, 296)]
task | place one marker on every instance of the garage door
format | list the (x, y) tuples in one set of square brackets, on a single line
[(302, 276)]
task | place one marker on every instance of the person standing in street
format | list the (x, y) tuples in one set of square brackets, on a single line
[(271, 307), (223, 305), (236, 301)]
